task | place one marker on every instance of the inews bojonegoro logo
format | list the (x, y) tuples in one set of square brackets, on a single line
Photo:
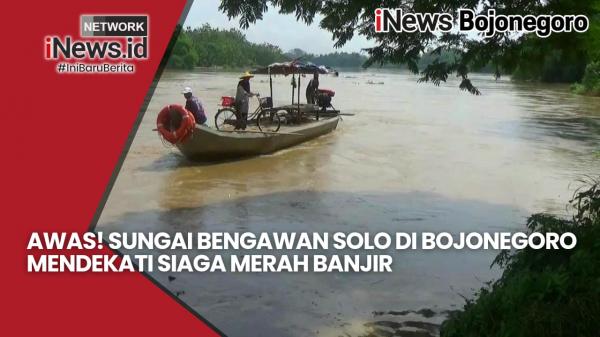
[(112, 38), (488, 22)]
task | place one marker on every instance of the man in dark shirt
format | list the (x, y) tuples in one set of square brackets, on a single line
[(193, 105), (312, 89)]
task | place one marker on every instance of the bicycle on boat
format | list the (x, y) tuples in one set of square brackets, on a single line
[(267, 118)]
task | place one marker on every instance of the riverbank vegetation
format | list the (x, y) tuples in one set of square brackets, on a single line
[(212, 47), (552, 293), (590, 83)]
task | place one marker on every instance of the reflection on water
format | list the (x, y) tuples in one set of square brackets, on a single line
[(413, 158)]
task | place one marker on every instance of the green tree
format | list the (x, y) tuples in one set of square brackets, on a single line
[(206, 47), (502, 50), (183, 54), (590, 83)]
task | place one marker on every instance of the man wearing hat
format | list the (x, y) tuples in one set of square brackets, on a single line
[(241, 99), (193, 105)]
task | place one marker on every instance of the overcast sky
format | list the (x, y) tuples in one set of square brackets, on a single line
[(281, 30)]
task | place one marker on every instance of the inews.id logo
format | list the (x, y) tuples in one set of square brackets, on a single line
[(103, 37)]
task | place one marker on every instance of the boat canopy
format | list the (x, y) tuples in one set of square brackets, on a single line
[(292, 67)]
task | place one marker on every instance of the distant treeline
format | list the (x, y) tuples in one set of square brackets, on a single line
[(335, 60), (209, 47), (357, 60), (212, 47)]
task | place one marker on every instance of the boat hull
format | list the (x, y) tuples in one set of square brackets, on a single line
[(206, 144)]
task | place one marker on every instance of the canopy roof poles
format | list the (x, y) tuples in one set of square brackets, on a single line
[(271, 83), (291, 68)]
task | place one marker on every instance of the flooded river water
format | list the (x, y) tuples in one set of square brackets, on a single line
[(414, 157)]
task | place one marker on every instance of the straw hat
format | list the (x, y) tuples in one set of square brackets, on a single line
[(246, 75)]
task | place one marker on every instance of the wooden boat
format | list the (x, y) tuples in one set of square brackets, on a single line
[(207, 144)]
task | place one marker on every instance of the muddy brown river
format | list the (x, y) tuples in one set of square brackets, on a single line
[(414, 157)]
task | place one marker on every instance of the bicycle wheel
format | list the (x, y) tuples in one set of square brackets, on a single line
[(226, 119), (268, 121)]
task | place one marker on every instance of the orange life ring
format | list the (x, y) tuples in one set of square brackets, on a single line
[(186, 126)]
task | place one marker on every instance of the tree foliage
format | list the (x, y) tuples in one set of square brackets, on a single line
[(206, 47), (184, 54), (504, 51), (553, 293)]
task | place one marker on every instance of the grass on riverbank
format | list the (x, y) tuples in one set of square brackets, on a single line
[(542, 292)]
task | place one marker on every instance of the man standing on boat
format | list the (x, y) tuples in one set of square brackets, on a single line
[(241, 100), (193, 105), (312, 89)]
